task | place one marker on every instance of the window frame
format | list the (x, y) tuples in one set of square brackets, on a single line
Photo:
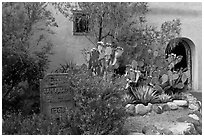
[(77, 13)]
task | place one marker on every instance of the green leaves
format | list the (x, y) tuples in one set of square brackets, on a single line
[(134, 64), (185, 76), (98, 102), (22, 61), (179, 86), (164, 78), (175, 76)]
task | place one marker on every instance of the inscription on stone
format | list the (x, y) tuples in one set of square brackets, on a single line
[(56, 96)]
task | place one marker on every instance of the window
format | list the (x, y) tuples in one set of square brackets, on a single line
[(80, 23)]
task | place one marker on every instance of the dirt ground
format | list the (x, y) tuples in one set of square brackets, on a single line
[(167, 118)]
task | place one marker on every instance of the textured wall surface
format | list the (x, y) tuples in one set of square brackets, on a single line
[(190, 14)]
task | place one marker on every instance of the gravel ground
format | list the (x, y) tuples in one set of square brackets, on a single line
[(136, 123), (164, 120)]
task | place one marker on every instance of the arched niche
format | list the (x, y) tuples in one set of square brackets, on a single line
[(185, 47)]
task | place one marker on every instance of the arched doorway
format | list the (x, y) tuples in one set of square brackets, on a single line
[(186, 48)]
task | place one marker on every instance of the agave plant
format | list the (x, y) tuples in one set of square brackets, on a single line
[(128, 99), (144, 94), (177, 96), (165, 98)]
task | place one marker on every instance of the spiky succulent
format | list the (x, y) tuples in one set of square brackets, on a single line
[(144, 94), (127, 98), (165, 98)]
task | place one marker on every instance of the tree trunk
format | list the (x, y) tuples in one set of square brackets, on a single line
[(100, 30)]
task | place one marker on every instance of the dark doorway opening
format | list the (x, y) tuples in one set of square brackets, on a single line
[(181, 46), (180, 50)]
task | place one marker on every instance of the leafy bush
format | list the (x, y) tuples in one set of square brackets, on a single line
[(99, 110), (99, 107), (17, 124), (144, 94), (24, 59)]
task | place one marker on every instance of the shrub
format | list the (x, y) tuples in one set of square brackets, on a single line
[(17, 124), (99, 107), (23, 58)]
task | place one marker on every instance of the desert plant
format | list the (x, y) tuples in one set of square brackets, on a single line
[(177, 96), (66, 67), (165, 98), (164, 78), (128, 99), (144, 94)]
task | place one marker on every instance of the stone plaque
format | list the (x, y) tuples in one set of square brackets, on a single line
[(56, 98)]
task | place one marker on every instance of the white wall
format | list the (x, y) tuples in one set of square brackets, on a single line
[(66, 45), (190, 15)]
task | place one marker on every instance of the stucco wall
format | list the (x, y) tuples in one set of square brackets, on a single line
[(66, 45), (190, 15)]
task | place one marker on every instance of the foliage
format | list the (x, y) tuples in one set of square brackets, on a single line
[(99, 105), (178, 96), (99, 110), (17, 124), (128, 99), (106, 19), (66, 67), (144, 94), (165, 98), (162, 75), (24, 60)]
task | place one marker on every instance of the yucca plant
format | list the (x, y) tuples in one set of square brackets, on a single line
[(144, 94), (165, 98)]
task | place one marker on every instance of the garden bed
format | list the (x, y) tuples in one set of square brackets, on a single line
[(168, 122)]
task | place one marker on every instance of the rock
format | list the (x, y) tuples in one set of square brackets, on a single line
[(199, 129), (165, 132), (182, 128), (136, 133), (166, 108), (130, 108), (157, 109), (198, 114), (190, 97), (194, 116), (194, 107), (172, 105), (188, 119), (190, 130), (141, 109), (181, 103), (150, 130), (149, 107)]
